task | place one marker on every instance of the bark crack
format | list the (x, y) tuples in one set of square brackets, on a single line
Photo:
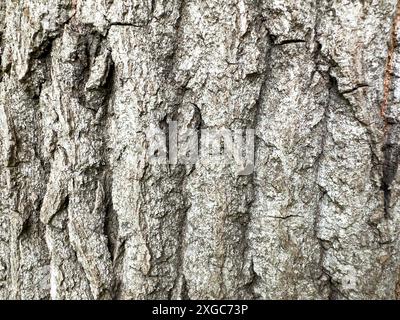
[(391, 148)]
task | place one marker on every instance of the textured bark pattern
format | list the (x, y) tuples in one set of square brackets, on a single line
[(83, 215)]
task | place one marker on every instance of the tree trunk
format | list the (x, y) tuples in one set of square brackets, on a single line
[(85, 215)]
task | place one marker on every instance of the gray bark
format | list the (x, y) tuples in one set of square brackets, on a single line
[(83, 215)]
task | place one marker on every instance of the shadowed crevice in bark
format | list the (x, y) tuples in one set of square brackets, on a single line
[(391, 147)]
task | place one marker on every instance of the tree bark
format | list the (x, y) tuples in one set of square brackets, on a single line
[(84, 215)]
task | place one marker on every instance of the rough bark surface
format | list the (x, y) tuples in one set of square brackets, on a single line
[(83, 215)]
